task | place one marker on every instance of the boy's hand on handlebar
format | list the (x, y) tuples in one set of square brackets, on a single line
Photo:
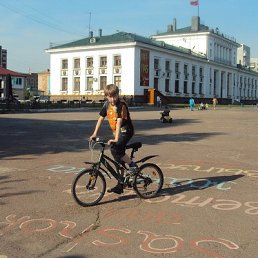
[(93, 137)]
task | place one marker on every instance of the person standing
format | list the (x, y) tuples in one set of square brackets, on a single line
[(158, 101), (215, 102), (191, 104)]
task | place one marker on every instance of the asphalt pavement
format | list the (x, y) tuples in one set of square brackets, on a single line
[(208, 206)]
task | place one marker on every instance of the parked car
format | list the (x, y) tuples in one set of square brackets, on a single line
[(236, 102), (42, 99)]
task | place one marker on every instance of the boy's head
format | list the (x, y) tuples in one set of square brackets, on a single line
[(111, 91)]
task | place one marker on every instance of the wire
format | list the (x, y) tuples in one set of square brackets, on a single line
[(36, 18)]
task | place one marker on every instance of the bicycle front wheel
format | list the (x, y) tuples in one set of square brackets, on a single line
[(148, 181), (88, 187)]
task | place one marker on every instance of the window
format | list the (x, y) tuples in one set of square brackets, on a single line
[(177, 86), (103, 61), (64, 84), (177, 71), (185, 87), (193, 87), (89, 83), (65, 64), (186, 72), (167, 85), (156, 64), (167, 66), (194, 72), (117, 60), (200, 88), (117, 81), (201, 81), (185, 69), (76, 84), (103, 82), (89, 62), (76, 64), (177, 67), (17, 81), (201, 74)]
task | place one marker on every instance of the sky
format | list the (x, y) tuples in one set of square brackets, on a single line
[(28, 27)]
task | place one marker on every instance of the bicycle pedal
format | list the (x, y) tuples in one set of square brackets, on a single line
[(90, 187)]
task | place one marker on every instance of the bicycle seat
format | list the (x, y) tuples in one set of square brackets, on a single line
[(134, 145)]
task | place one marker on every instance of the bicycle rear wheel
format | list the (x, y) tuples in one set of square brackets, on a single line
[(88, 187), (148, 181)]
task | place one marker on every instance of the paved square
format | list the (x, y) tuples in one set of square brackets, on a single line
[(208, 206)]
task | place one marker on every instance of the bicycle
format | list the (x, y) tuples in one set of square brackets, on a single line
[(89, 185)]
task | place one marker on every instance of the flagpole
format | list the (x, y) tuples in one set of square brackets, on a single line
[(196, 3), (198, 7)]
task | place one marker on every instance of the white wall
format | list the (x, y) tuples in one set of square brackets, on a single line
[(127, 68), (130, 71)]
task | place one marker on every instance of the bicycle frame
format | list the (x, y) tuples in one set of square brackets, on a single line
[(115, 173), (105, 161)]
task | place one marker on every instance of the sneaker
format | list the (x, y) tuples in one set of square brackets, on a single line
[(118, 189), (130, 182)]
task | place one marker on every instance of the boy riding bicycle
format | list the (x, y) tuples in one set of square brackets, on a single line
[(120, 122)]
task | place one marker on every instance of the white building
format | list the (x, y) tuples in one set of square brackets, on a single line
[(254, 64), (243, 56), (194, 61)]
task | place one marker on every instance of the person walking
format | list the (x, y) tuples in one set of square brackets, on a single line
[(191, 104), (158, 101), (215, 102)]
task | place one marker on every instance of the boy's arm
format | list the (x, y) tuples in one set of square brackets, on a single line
[(99, 122)]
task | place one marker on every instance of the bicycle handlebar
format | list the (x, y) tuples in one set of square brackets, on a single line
[(98, 140)]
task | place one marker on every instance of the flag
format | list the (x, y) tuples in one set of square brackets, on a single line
[(196, 2)]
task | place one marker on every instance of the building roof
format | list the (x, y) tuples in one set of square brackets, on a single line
[(202, 28), (5, 72), (121, 37), (44, 72)]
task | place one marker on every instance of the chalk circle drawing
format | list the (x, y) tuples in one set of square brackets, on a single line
[(228, 244), (160, 244), (150, 238), (38, 225), (64, 169)]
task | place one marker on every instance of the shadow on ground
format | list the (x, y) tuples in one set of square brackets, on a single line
[(9, 191), (37, 137), (196, 184)]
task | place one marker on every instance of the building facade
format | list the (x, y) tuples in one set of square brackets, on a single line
[(31, 84), (243, 56), (254, 64), (44, 82), (18, 83), (193, 62)]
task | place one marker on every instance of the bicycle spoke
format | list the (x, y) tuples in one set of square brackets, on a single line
[(149, 181), (88, 189)]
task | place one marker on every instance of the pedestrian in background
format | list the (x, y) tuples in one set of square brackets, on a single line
[(215, 102), (191, 104), (159, 101)]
